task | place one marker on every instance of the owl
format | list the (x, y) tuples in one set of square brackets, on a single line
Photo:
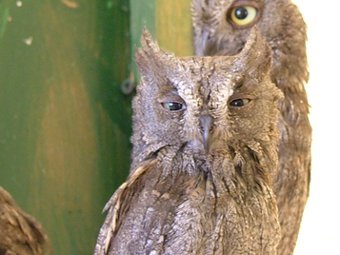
[(221, 27), (20, 234), (205, 137)]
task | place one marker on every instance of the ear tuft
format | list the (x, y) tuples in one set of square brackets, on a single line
[(147, 42), (256, 53), (149, 51), (150, 57)]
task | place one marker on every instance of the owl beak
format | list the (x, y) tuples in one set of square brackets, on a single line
[(206, 123), (200, 49)]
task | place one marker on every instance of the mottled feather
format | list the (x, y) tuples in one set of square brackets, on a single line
[(205, 135), (20, 233), (282, 26)]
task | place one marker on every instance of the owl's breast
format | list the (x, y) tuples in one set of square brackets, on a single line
[(207, 222), (182, 213)]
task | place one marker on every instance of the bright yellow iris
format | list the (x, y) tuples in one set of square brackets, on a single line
[(243, 15)]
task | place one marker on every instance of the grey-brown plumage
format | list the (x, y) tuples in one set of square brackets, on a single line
[(221, 27), (20, 233), (204, 153)]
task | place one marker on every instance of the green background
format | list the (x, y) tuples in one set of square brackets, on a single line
[(65, 122)]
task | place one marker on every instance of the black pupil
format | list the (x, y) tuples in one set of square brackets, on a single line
[(237, 103), (241, 13), (173, 106)]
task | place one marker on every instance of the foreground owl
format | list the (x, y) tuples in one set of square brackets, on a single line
[(205, 150), (221, 27), (20, 234)]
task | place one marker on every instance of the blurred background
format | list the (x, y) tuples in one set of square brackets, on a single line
[(66, 83)]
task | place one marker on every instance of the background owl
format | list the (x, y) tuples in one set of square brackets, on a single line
[(221, 27), (204, 153), (19, 232)]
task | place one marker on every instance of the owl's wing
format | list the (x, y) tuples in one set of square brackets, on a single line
[(115, 206), (20, 232)]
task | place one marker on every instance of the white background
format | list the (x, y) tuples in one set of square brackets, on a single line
[(320, 232)]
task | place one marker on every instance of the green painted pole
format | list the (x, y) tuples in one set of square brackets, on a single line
[(65, 116), (64, 121)]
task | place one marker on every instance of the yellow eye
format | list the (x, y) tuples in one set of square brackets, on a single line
[(243, 15)]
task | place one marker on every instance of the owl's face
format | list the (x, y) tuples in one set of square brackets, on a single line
[(222, 26), (204, 103)]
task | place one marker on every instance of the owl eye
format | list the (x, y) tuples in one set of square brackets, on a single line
[(243, 15), (239, 102), (173, 106)]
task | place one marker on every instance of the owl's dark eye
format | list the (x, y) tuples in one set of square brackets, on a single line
[(241, 13), (239, 102), (242, 16), (173, 106)]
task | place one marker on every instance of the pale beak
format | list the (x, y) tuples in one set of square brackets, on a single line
[(206, 123), (200, 48)]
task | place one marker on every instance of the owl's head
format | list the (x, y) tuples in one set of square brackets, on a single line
[(221, 27), (203, 104)]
